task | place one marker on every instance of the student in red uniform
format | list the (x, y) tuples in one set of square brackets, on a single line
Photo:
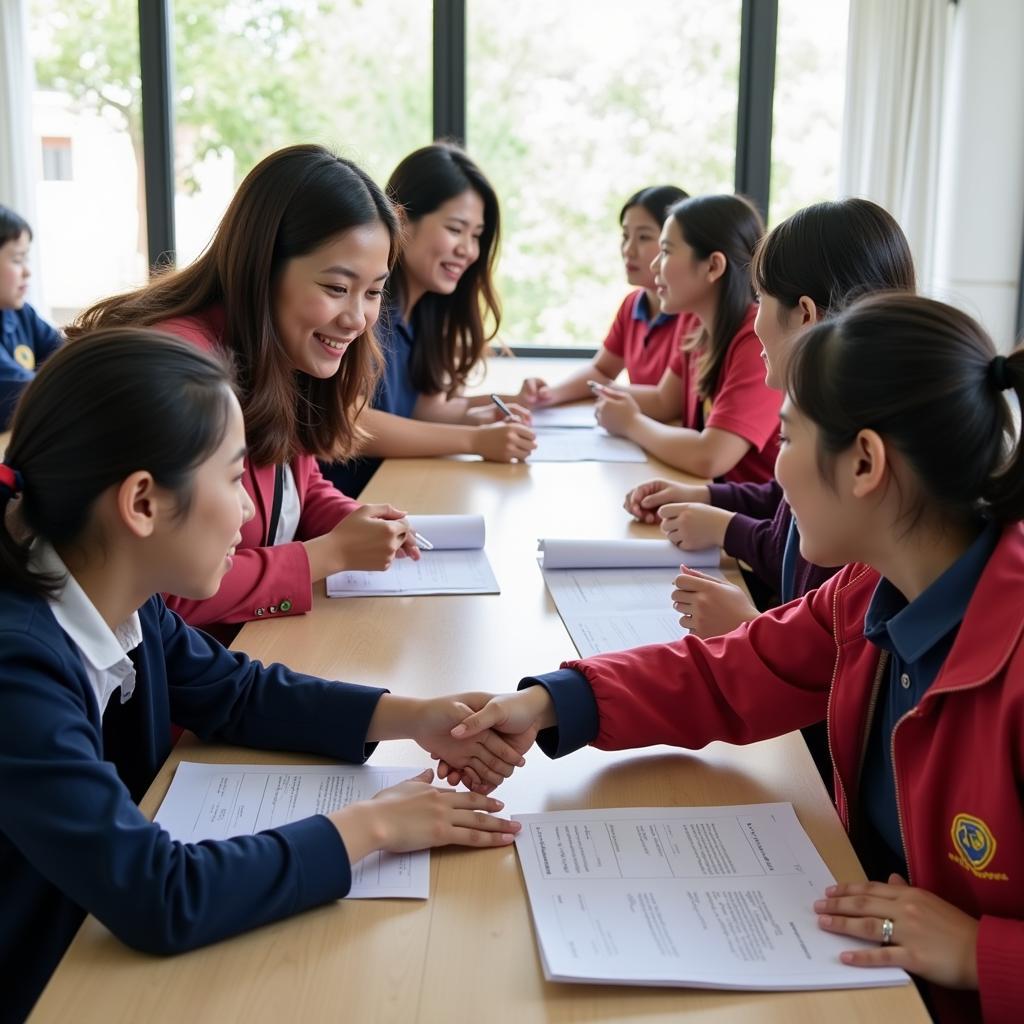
[(289, 289), (901, 461), (642, 335), (124, 478), (715, 383), (441, 311), (805, 269)]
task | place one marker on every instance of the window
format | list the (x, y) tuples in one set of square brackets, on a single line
[(56, 158), (90, 225), (572, 107), (252, 76), (810, 79)]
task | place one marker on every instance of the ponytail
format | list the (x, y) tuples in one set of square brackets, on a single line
[(115, 402), (1004, 493), (926, 377)]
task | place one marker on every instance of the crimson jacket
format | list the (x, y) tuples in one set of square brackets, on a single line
[(958, 756), (263, 581)]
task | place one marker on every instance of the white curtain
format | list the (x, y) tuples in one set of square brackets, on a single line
[(17, 173), (895, 94)]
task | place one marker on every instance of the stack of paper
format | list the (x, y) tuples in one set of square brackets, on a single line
[(457, 565), (616, 594), (221, 801), (709, 897)]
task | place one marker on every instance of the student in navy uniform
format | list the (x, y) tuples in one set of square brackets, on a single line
[(642, 335), (442, 309), (26, 339), (125, 470)]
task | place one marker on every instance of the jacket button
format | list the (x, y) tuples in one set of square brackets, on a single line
[(261, 611), (272, 609), (905, 681), (285, 605)]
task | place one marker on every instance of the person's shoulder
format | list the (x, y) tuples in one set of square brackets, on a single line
[(203, 328), (26, 619)]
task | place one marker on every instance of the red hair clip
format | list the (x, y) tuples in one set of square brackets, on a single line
[(10, 480)]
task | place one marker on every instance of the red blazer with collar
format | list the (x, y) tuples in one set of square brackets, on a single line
[(264, 581), (958, 756)]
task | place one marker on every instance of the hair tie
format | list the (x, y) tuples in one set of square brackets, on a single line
[(11, 480), (997, 373)]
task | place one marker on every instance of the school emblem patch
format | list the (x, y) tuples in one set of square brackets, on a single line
[(24, 357), (975, 845)]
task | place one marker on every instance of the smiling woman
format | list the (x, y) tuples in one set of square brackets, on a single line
[(289, 289), (442, 310)]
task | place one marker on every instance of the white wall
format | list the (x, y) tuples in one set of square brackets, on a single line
[(981, 215)]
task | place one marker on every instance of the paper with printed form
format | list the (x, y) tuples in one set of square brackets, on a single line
[(571, 444), (221, 801), (616, 594), (458, 564), (706, 897)]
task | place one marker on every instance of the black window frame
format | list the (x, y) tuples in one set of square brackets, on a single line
[(758, 37)]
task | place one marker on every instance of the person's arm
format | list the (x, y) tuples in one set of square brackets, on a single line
[(13, 380), (662, 401), (263, 582), (46, 339), (224, 695), (64, 808), (1000, 952), (396, 437), (760, 543), (759, 501), (604, 368), (763, 680), (708, 453)]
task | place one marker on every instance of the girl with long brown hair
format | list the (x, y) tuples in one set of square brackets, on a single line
[(289, 289)]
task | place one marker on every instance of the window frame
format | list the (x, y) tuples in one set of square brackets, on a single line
[(755, 99)]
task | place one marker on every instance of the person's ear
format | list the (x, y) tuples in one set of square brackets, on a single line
[(717, 264), (139, 506), (808, 311), (868, 464)]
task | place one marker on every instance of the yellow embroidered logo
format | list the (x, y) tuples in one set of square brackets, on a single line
[(975, 846), (24, 357)]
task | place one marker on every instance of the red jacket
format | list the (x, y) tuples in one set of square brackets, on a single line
[(263, 581), (958, 756)]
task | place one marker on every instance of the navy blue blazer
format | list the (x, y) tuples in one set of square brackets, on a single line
[(72, 838)]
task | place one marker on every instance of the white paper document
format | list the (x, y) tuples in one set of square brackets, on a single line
[(616, 594), (220, 801), (569, 444), (571, 416), (625, 553), (458, 564), (704, 897)]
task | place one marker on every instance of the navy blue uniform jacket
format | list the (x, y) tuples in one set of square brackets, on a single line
[(72, 838)]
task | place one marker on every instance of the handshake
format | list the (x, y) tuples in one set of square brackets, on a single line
[(479, 739)]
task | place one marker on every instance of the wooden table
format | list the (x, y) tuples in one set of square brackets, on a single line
[(468, 953)]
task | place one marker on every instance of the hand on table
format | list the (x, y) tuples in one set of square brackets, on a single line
[(929, 937), (643, 501)]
